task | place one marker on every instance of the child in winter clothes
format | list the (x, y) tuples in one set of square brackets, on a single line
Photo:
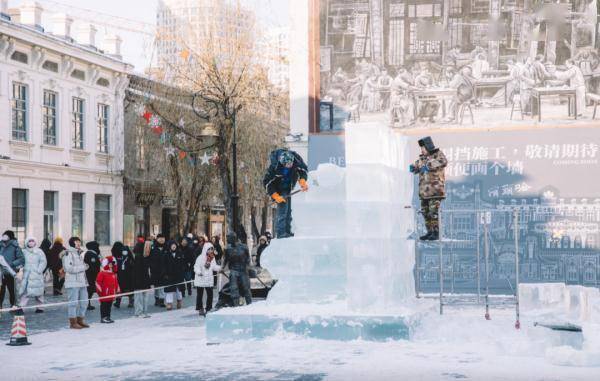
[(204, 280), (107, 286)]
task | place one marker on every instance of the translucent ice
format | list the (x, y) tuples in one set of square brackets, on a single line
[(351, 229)]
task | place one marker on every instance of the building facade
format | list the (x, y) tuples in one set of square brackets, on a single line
[(61, 103)]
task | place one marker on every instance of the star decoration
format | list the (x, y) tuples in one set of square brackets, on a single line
[(181, 136), (170, 151), (205, 159)]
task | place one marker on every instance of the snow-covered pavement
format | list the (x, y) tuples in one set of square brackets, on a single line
[(461, 345)]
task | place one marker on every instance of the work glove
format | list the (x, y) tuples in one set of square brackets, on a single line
[(277, 197), (424, 169), (303, 185)]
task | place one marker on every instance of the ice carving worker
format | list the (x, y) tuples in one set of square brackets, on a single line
[(432, 182), (285, 170)]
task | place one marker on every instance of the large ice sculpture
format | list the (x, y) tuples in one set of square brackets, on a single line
[(350, 265)]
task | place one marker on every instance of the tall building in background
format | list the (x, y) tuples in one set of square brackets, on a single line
[(275, 48), (188, 24)]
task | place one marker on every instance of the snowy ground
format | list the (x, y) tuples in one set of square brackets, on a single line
[(461, 345)]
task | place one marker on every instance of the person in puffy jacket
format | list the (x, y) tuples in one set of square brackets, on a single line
[(92, 258), (125, 270), (75, 283), (141, 278), (430, 167), (187, 248), (204, 281), (32, 285), (10, 250), (174, 275), (107, 286), (237, 258), (55, 265)]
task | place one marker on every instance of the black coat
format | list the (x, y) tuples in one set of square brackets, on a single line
[(141, 271), (237, 257), (156, 263), (126, 271), (273, 180), (93, 260), (174, 271), (190, 257)]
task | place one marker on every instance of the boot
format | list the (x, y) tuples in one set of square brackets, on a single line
[(73, 324), (156, 304), (161, 302), (81, 323), (130, 304), (426, 236), (179, 304), (118, 303), (169, 306), (435, 235), (90, 307), (202, 312)]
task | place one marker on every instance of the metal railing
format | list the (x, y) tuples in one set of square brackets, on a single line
[(483, 221)]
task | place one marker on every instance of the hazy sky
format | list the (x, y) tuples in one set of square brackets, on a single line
[(137, 48)]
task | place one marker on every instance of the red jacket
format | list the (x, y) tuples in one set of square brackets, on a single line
[(107, 285)]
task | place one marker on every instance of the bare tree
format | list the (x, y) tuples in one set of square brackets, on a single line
[(229, 82)]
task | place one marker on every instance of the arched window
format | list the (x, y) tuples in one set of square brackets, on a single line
[(565, 242), (577, 244), (590, 242)]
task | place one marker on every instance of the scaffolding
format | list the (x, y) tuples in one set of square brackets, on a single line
[(453, 299)]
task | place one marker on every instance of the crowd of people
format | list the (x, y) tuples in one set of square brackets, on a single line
[(155, 267), (368, 88)]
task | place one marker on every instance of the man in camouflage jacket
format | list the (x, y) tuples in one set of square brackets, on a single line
[(432, 180)]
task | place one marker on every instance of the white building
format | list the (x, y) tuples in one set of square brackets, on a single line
[(61, 129)]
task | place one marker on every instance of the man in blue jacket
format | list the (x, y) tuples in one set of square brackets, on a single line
[(10, 250), (286, 169)]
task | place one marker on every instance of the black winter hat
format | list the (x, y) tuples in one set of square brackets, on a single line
[(160, 235), (427, 142), (72, 241), (10, 234)]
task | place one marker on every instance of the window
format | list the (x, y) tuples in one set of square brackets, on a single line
[(79, 74), (19, 111), (77, 109), (50, 66), (49, 117), (102, 127), (396, 41), (19, 213), (103, 82), (49, 214), (102, 219), (77, 202), (19, 57)]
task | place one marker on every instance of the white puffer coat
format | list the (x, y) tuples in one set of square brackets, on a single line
[(33, 275), (204, 276), (74, 268)]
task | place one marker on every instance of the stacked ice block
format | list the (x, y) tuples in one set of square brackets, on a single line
[(349, 269)]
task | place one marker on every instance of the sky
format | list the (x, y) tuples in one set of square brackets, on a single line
[(137, 48)]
